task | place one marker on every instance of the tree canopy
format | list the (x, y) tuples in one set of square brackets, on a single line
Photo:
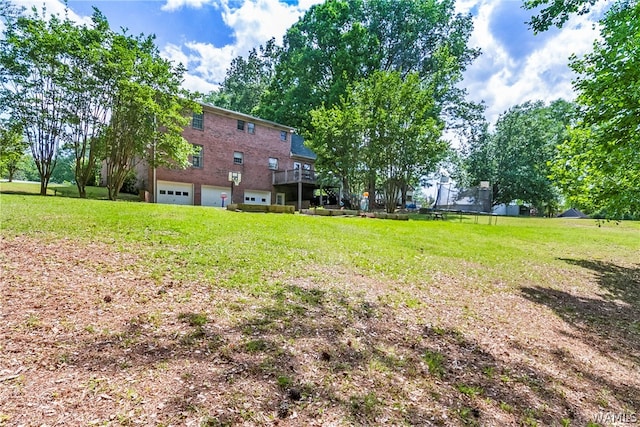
[(104, 95), (555, 12), (382, 136), (599, 167), (338, 43), (246, 80), (515, 157)]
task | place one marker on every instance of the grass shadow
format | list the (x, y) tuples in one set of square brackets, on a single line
[(610, 322)]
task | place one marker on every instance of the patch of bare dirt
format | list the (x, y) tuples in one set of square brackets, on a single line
[(88, 337)]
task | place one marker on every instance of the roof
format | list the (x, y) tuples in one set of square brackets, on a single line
[(572, 213), (299, 149), (246, 117)]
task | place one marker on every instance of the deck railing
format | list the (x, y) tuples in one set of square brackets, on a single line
[(294, 175)]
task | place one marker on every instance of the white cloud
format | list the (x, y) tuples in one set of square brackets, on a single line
[(252, 23), (208, 61), (198, 84), (173, 5), (52, 7), (256, 21), (503, 81)]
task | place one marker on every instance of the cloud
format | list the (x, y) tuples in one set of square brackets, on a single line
[(256, 21), (51, 7), (522, 67), (173, 5), (252, 23), (198, 84)]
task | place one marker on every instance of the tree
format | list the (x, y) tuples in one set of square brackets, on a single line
[(88, 88), (246, 80), (105, 96), (557, 12), (337, 140), (12, 150), (33, 70), (515, 157), (148, 110), (599, 166), (65, 167), (339, 43), (384, 133)]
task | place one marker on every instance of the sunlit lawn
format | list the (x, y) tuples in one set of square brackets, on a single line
[(457, 321)]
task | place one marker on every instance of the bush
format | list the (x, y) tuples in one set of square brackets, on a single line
[(130, 184), (261, 208)]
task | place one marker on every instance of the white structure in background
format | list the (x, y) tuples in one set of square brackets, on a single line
[(447, 193)]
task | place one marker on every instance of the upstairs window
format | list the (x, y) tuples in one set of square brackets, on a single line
[(273, 163), (238, 158), (197, 121), (196, 157), (283, 135), (240, 125), (251, 128)]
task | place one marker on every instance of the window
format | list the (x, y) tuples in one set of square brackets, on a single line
[(273, 163), (251, 128), (240, 124), (197, 121), (283, 135), (196, 157), (163, 192), (238, 158), (185, 193), (178, 193)]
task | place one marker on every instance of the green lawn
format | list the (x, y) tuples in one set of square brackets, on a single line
[(322, 319), (62, 190)]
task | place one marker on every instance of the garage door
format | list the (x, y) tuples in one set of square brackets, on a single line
[(257, 197), (175, 193), (212, 196)]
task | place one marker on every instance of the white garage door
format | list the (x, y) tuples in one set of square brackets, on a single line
[(257, 197), (175, 193), (212, 196)]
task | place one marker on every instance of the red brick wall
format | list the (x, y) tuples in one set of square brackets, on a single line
[(220, 138)]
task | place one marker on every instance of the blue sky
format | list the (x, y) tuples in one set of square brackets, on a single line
[(205, 35)]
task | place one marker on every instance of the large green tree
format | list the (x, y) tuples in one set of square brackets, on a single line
[(34, 68), (515, 157), (340, 42), (106, 96), (148, 110), (600, 166), (337, 140), (384, 134), (89, 89)]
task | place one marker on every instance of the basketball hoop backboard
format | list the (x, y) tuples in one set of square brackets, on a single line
[(235, 177)]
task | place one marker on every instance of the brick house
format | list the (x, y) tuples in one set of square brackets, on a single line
[(270, 160)]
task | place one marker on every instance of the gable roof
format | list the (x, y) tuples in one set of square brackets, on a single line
[(572, 213), (298, 148)]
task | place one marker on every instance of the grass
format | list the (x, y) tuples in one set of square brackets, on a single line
[(60, 190), (399, 321)]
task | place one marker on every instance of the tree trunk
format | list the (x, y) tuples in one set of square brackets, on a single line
[(82, 190)]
